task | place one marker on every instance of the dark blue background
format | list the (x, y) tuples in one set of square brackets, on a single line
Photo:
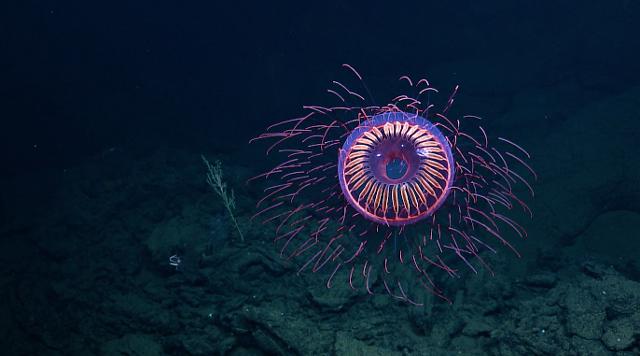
[(79, 78)]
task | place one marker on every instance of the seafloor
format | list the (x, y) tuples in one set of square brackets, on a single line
[(87, 271)]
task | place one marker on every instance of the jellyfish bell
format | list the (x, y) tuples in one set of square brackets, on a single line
[(396, 168)]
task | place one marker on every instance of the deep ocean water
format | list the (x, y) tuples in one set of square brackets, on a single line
[(114, 244)]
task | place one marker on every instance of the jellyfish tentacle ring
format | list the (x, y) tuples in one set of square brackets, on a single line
[(384, 196)]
